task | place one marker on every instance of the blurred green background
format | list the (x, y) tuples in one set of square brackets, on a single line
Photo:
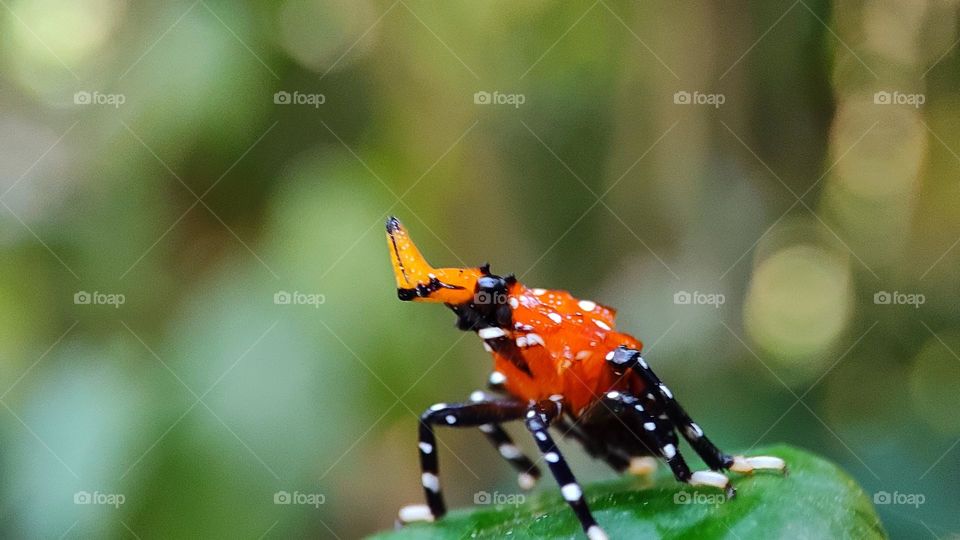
[(196, 161)]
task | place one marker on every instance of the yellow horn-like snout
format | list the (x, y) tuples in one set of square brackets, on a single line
[(420, 282)]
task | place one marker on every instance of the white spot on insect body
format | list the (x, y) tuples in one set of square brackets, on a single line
[(552, 457), (451, 419), (491, 332), (571, 492), (649, 426), (541, 436), (666, 391), (534, 339), (486, 428), (522, 342), (555, 317), (487, 347), (613, 395), (438, 406), (587, 305), (669, 451), (430, 481), (601, 324), (539, 292), (497, 378), (514, 303), (426, 448), (526, 481), (583, 355), (477, 396), (609, 355)]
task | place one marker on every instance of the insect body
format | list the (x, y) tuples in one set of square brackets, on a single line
[(558, 362)]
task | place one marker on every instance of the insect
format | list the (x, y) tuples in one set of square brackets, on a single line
[(557, 362)]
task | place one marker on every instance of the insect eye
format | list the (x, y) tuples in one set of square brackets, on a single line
[(490, 283)]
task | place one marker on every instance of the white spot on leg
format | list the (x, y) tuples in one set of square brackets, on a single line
[(415, 512), (694, 431), (509, 451), (642, 465), (571, 492), (552, 457), (526, 481), (649, 426), (451, 419), (666, 391), (613, 395), (541, 436), (669, 451), (438, 406), (430, 481), (709, 478), (594, 532), (486, 428), (477, 395), (426, 448)]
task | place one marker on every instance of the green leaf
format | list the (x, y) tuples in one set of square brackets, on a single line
[(815, 500)]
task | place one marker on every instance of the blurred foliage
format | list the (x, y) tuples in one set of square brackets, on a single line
[(148, 151)]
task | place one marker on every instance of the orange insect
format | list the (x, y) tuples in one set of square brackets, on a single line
[(558, 362)]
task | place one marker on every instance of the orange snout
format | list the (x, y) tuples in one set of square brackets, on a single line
[(420, 282)]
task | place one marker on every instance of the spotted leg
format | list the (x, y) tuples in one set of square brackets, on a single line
[(624, 358), (660, 432), (453, 415), (538, 420), (527, 472)]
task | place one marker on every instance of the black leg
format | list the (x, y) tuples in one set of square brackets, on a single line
[(538, 420), (454, 415), (623, 358), (593, 446), (527, 472)]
